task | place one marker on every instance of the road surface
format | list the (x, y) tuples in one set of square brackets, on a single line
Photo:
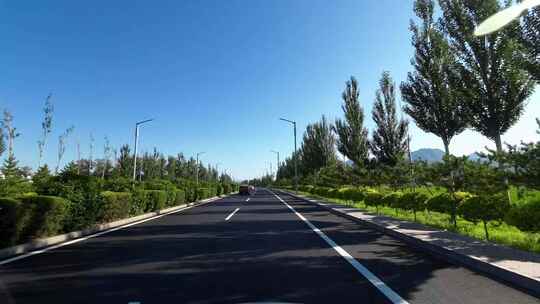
[(268, 248)]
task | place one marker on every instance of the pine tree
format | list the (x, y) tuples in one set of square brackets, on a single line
[(389, 142), (318, 146), (432, 90), (124, 165), (352, 136), (496, 87), (10, 168)]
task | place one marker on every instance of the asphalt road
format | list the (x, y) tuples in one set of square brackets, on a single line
[(236, 251)]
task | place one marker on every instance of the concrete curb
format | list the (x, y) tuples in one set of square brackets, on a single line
[(42, 243), (528, 284)]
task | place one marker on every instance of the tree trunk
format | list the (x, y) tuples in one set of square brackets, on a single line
[(498, 143), (446, 147), (486, 230)]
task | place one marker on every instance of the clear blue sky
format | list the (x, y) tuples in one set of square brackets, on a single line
[(216, 75)]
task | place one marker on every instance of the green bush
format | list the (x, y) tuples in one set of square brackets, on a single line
[(227, 188), (47, 215), (525, 216), (83, 192), (414, 201), (140, 201), (13, 217), (393, 199), (352, 194), (219, 189), (333, 193), (180, 197), (119, 184), (484, 208), (157, 200), (114, 206), (374, 199), (321, 191)]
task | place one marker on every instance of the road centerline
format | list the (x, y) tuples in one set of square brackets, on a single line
[(230, 215), (372, 278)]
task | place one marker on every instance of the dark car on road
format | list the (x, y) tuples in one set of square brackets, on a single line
[(246, 190)]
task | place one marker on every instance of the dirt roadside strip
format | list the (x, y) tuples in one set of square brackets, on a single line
[(518, 268), (43, 243)]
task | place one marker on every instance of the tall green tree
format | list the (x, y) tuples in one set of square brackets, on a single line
[(318, 145), (46, 127), (389, 139), (496, 87), (352, 136), (531, 39), (124, 164), (432, 90)]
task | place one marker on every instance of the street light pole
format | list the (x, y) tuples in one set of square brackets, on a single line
[(137, 124), (294, 156)]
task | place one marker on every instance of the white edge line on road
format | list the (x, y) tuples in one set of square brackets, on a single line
[(378, 283), (230, 215), (35, 252)]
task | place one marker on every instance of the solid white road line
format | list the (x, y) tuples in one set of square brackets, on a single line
[(35, 252), (387, 291), (230, 215)]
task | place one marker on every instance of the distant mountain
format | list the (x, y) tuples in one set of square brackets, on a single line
[(428, 155)]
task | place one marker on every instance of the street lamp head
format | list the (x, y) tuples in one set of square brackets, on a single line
[(144, 121), (504, 17), (289, 121)]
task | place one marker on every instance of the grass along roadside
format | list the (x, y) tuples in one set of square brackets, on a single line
[(500, 233)]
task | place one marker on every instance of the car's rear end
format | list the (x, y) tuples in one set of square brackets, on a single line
[(244, 190)]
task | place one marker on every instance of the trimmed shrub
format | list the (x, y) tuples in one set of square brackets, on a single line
[(47, 215), (393, 200), (484, 208), (525, 216), (374, 199), (203, 193), (157, 200), (321, 191), (114, 206), (333, 193), (119, 184), (180, 197), (352, 194), (414, 201), (13, 217), (140, 201)]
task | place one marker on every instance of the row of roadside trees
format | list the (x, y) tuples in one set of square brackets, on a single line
[(458, 81)]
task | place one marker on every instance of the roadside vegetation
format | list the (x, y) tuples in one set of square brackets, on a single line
[(457, 82), (90, 191)]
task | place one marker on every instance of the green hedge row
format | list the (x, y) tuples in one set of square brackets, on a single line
[(474, 208), (34, 216), (31, 217)]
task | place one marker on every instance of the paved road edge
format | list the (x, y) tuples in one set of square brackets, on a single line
[(42, 243), (515, 279)]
